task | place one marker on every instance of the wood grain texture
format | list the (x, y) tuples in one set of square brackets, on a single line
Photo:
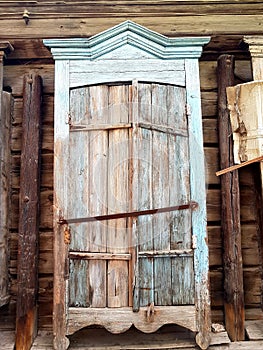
[(233, 283), (5, 181), (199, 217), (5, 131), (118, 320), (29, 206), (61, 144)]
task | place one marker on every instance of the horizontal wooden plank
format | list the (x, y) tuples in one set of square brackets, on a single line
[(13, 77), (254, 329), (173, 24), (117, 320), (211, 164), (171, 72), (210, 131), (99, 256), (164, 129), (209, 103), (92, 127), (165, 253), (213, 199), (52, 9), (252, 286)]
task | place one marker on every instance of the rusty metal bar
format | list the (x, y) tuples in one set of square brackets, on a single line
[(192, 205)]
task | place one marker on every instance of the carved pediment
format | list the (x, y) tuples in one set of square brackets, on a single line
[(127, 40)]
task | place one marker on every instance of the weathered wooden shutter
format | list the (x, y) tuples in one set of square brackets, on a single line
[(130, 223), (129, 152)]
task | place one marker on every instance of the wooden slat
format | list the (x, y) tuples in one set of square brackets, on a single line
[(167, 253), (91, 25), (233, 283), (95, 127), (118, 178), (99, 256), (26, 317), (198, 193), (163, 128)]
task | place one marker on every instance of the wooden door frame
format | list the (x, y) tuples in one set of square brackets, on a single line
[(105, 58)]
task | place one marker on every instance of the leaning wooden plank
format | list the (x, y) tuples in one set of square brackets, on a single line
[(235, 167), (5, 119), (27, 269), (233, 283), (5, 122)]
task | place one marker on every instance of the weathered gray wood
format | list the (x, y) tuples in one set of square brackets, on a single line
[(5, 122), (198, 194), (124, 175), (29, 206), (230, 213), (118, 320), (97, 73), (254, 329), (61, 151)]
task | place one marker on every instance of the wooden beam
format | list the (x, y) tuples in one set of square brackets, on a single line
[(27, 264), (5, 123), (230, 214)]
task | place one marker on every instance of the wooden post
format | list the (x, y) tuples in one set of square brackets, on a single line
[(230, 215), (27, 260), (5, 100)]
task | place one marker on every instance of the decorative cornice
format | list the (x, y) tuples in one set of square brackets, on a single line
[(127, 33), (255, 45)]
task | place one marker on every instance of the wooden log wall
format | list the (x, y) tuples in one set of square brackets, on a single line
[(14, 72), (227, 22)]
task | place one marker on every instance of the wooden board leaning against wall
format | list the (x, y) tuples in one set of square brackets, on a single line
[(13, 78)]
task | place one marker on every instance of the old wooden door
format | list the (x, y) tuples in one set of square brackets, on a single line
[(129, 207), (128, 154)]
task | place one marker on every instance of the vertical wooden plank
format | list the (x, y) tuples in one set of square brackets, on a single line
[(179, 193), (160, 166), (134, 277), (182, 281), (5, 101), (118, 178), (98, 113), (230, 213), (5, 123), (26, 313), (62, 174), (78, 158), (78, 290), (198, 194), (145, 186)]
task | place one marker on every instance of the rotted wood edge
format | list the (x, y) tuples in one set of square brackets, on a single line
[(29, 209), (5, 124), (230, 213)]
